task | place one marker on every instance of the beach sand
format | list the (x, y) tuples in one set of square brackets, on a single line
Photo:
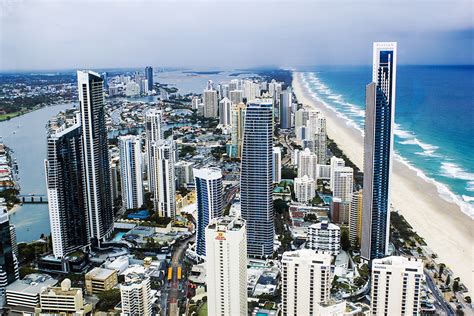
[(446, 230)]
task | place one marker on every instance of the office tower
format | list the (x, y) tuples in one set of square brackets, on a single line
[(149, 77), (396, 286), (237, 132), (183, 173), (225, 112), (210, 202), (97, 187), (256, 188), (8, 261), (153, 133), (307, 164), (236, 96), (305, 189), (226, 266), (210, 103), (324, 237), (164, 191), (131, 171), (285, 109), (355, 219), (135, 294), (343, 183), (335, 163), (276, 164), (306, 281), (64, 171), (378, 151)]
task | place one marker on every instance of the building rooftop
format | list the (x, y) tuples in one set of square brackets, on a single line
[(100, 273), (32, 284)]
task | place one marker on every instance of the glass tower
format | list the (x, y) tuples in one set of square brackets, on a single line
[(378, 151), (8, 263), (256, 183)]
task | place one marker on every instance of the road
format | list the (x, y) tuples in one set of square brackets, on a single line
[(440, 303)]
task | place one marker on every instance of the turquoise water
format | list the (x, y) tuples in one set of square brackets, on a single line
[(434, 119)]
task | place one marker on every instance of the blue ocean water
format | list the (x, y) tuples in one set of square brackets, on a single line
[(434, 131)]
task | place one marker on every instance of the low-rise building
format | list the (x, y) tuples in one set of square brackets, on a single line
[(135, 294), (324, 237), (24, 294), (99, 280)]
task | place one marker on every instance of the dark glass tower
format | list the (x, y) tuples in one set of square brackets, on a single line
[(8, 262), (256, 183), (378, 152), (149, 77)]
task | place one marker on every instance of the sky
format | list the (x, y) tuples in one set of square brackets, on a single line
[(228, 34)]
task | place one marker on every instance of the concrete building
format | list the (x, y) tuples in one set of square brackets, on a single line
[(237, 131), (149, 77), (305, 189), (324, 237), (285, 110), (183, 173), (25, 294), (306, 281), (378, 151), (307, 164), (210, 202), (226, 266), (98, 280), (8, 261), (135, 294), (236, 96), (210, 103), (163, 172), (64, 300), (355, 219), (132, 89), (153, 133), (131, 171), (335, 163), (396, 286), (276, 164), (225, 116), (343, 183)]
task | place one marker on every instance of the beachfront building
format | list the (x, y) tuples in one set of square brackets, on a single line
[(225, 116), (131, 171), (355, 219), (343, 183), (307, 164), (276, 164), (237, 132), (316, 124), (256, 184), (305, 189), (285, 109), (210, 102), (226, 266), (306, 281), (335, 163), (210, 202), (96, 172), (396, 286), (135, 295), (153, 133), (8, 262), (324, 237), (163, 172), (378, 151)]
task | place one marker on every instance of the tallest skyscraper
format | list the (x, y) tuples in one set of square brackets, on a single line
[(378, 151), (97, 189)]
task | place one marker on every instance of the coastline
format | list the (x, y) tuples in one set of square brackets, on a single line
[(445, 228)]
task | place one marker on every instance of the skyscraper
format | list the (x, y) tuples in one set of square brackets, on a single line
[(210, 103), (343, 184), (304, 188), (135, 295), (256, 188), (163, 172), (276, 164), (355, 219), (306, 281), (237, 131), (285, 109), (236, 96), (225, 112), (396, 286), (307, 164), (149, 77), (335, 163), (97, 187), (131, 168), (378, 151), (64, 170), (226, 266), (210, 203), (8, 262), (153, 133)]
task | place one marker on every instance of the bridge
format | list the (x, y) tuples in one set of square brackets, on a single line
[(33, 198)]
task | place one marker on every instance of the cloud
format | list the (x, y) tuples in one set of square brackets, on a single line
[(221, 34)]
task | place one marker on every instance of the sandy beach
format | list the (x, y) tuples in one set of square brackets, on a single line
[(446, 230)]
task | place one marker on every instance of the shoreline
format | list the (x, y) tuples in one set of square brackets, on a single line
[(445, 228)]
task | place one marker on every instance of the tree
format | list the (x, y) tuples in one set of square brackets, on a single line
[(108, 299), (288, 173), (468, 299), (280, 206), (441, 269), (345, 240)]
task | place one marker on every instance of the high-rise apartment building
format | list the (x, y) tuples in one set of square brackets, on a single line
[(210, 202), (236, 96), (276, 164), (135, 294), (396, 286), (162, 169), (256, 185), (8, 261), (306, 281), (97, 187), (305, 189), (285, 109), (153, 133), (131, 170), (335, 163), (226, 266), (307, 164), (149, 77), (378, 151), (183, 173), (355, 219), (343, 183), (225, 116), (325, 237), (210, 103), (237, 131)]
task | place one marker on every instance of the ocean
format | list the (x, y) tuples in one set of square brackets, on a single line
[(434, 119)]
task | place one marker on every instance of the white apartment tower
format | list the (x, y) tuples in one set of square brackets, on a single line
[(131, 171), (343, 182), (276, 164), (225, 116), (135, 294), (164, 192), (153, 133), (396, 286), (335, 163), (306, 281), (226, 266), (307, 164), (325, 237), (210, 103), (305, 189)]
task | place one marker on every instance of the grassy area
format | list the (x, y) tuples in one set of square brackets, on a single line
[(203, 310), (5, 117)]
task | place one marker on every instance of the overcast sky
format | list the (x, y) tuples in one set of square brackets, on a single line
[(230, 34)]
